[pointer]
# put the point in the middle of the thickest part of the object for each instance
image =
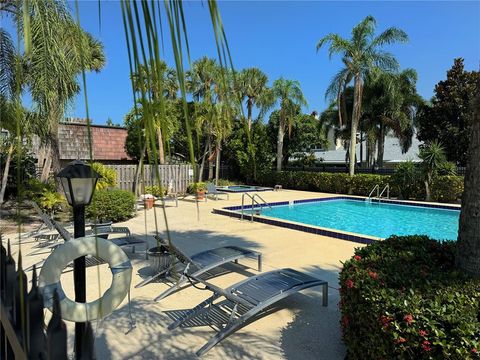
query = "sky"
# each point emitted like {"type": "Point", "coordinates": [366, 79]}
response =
{"type": "Point", "coordinates": [280, 37]}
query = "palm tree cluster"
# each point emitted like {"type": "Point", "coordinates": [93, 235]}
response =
{"type": "Point", "coordinates": [382, 98]}
{"type": "Point", "coordinates": [220, 97]}
{"type": "Point", "coordinates": [55, 52]}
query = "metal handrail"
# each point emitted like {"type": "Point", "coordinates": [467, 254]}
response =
{"type": "Point", "coordinates": [387, 187]}
{"type": "Point", "coordinates": [253, 203]}
{"type": "Point", "coordinates": [376, 187]}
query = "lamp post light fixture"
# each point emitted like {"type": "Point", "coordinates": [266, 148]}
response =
{"type": "Point", "coordinates": [78, 180]}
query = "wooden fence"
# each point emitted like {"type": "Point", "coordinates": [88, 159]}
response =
{"type": "Point", "coordinates": [180, 175]}
{"type": "Point", "coordinates": [22, 330]}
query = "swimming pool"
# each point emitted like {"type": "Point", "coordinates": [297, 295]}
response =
{"type": "Point", "coordinates": [242, 188]}
{"type": "Point", "coordinates": [355, 219]}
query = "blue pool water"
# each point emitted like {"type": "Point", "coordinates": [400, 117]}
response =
{"type": "Point", "coordinates": [379, 220]}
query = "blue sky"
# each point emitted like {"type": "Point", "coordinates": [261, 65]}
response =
{"type": "Point", "coordinates": [279, 37]}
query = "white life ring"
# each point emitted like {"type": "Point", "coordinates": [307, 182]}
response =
{"type": "Point", "coordinates": [49, 278]}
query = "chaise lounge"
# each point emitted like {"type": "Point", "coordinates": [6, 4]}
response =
{"type": "Point", "coordinates": [212, 191]}
{"type": "Point", "coordinates": [244, 300]}
{"type": "Point", "coordinates": [198, 266]}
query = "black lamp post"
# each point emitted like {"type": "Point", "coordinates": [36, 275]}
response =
{"type": "Point", "coordinates": [78, 181]}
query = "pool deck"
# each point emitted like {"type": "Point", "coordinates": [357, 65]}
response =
{"type": "Point", "coordinates": [300, 329]}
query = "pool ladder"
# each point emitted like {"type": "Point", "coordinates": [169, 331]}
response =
{"type": "Point", "coordinates": [262, 204]}
{"type": "Point", "coordinates": [379, 193]}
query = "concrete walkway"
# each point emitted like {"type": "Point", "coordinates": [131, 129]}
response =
{"type": "Point", "coordinates": [300, 329]}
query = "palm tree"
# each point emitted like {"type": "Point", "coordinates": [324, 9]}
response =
{"type": "Point", "coordinates": [202, 83]}
{"type": "Point", "coordinates": [360, 55]}
{"type": "Point", "coordinates": [252, 85]}
{"type": "Point", "coordinates": [158, 82]}
{"type": "Point", "coordinates": [468, 244]}
{"type": "Point", "coordinates": [60, 50]}
{"type": "Point", "coordinates": [288, 94]}
{"type": "Point", "coordinates": [390, 104]}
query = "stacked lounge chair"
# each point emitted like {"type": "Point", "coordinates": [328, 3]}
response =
{"type": "Point", "coordinates": [198, 266]}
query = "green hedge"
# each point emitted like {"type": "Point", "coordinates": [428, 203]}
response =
{"type": "Point", "coordinates": [111, 205]}
{"type": "Point", "coordinates": [447, 188]}
{"type": "Point", "coordinates": [402, 298]}
{"type": "Point", "coordinates": [444, 188]}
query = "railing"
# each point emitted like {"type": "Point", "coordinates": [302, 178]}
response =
{"type": "Point", "coordinates": [376, 187]}
{"type": "Point", "coordinates": [253, 203]}
{"type": "Point", "coordinates": [22, 330]}
{"type": "Point", "coordinates": [379, 193]}
{"type": "Point", "coordinates": [386, 188]}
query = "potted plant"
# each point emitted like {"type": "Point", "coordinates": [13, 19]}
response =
{"type": "Point", "coordinates": [148, 200]}
{"type": "Point", "coordinates": [198, 188]}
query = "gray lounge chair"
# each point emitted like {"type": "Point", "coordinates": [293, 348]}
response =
{"type": "Point", "coordinates": [245, 299]}
{"type": "Point", "coordinates": [200, 265]}
{"type": "Point", "coordinates": [212, 191]}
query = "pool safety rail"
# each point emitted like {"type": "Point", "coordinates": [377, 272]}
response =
{"type": "Point", "coordinates": [254, 201]}
{"type": "Point", "coordinates": [379, 193]}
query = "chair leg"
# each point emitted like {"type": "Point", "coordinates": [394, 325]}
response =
{"type": "Point", "coordinates": [325, 294]}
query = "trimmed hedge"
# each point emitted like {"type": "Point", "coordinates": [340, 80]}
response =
{"type": "Point", "coordinates": [444, 188]}
{"type": "Point", "coordinates": [403, 298]}
{"type": "Point", "coordinates": [447, 188]}
{"type": "Point", "coordinates": [111, 205]}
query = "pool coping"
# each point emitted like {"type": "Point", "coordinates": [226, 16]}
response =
{"type": "Point", "coordinates": [232, 211]}
{"type": "Point", "coordinates": [260, 189]}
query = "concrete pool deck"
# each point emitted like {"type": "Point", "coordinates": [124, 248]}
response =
{"type": "Point", "coordinates": [300, 329]}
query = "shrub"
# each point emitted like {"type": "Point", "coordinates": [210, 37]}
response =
{"type": "Point", "coordinates": [407, 181]}
{"type": "Point", "coordinates": [109, 176]}
{"type": "Point", "coordinates": [447, 188]}
{"type": "Point", "coordinates": [226, 182]}
{"type": "Point", "coordinates": [194, 187]}
{"type": "Point", "coordinates": [111, 205]}
{"type": "Point", "coordinates": [402, 298]}
{"type": "Point", "coordinates": [362, 184]}
{"type": "Point", "coordinates": [155, 190]}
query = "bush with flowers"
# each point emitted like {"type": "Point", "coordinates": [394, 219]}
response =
{"type": "Point", "coordinates": [403, 298]}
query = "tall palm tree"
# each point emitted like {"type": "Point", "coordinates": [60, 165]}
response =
{"type": "Point", "coordinates": [361, 54]}
{"type": "Point", "coordinates": [390, 105]}
{"type": "Point", "coordinates": [60, 50]}
{"type": "Point", "coordinates": [202, 84]}
{"type": "Point", "coordinates": [288, 95]}
{"type": "Point", "coordinates": [252, 86]}
{"type": "Point", "coordinates": [159, 83]}
{"type": "Point", "coordinates": [468, 244]}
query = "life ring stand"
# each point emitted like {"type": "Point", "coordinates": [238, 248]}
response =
{"type": "Point", "coordinates": [120, 265]}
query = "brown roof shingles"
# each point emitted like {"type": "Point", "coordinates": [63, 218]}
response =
{"type": "Point", "coordinates": [108, 143]}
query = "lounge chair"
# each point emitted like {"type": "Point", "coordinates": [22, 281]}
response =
{"type": "Point", "coordinates": [244, 300]}
{"type": "Point", "coordinates": [212, 191]}
{"type": "Point", "coordinates": [198, 265]}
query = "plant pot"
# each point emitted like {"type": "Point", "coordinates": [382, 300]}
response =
{"type": "Point", "coordinates": [200, 194]}
{"type": "Point", "coordinates": [160, 258]}
{"type": "Point", "coordinates": [148, 203]}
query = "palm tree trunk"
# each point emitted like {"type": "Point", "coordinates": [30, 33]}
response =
{"type": "Point", "coordinates": [210, 162]}
{"type": "Point", "coordinates": [161, 153]}
{"type": "Point", "coordinates": [46, 165]}
{"type": "Point", "coordinates": [428, 195]}
{"type": "Point", "coordinates": [217, 165]}
{"type": "Point", "coordinates": [5, 172]}
{"type": "Point", "coordinates": [468, 245]}
{"type": "Point", "coordinates": [381, 145]}
{"type": "Point", "coordinates": [249, 113]}
{"type": "Point", "coordinates": [357, 105]}
{"type": "Point", "coordinates": [281, 135]}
